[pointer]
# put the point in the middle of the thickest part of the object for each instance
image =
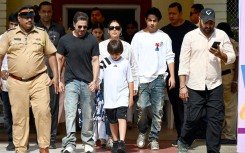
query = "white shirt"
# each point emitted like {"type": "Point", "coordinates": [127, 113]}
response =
{"type": "Point", "coordinates": [116, 75]}
{"type": "Point", "coordinates": [152, 52]}
{"type": "Point", "coordinates": [127, 54]}
{"type": "Point", "coordinates": [200, 66]}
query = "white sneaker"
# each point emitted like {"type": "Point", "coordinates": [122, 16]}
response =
{"type": "Point", "coordinates": [141, 140]}
{"type": "Point", "coordinates": [154, 145]}
{"type": "Point", "coordinates": [109, 144]}
{"type": "Point", "coordinates": [88, 148]}
{"type": "Point", "coordinates": [68, 150]}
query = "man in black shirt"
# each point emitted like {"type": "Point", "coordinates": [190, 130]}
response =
{"type": "Point", "coordinates": [176, 29]}
{"type": "Point", "coordinates": [55, 32]}
{"type": "Point", "coordinates": [80, 51]}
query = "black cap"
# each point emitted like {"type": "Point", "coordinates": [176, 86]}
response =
{"type": "Point", "coordinates": [26, 11]}
{"type": "Point", "coordinates": [207, 14]}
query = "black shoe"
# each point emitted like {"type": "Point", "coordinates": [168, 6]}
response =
{"type": "Point", "coordinates": [121, 147]}
{"type": "Point", "coordinates": [10, 147]}
{"type": "Point", "coordinates": [129, 125]}
{"type": "Point", "coordinates": [52, 146]}
{"type": "Point", "coordinates": [228, 141]}
{"type": "Point", "coordinates": [114, 147]}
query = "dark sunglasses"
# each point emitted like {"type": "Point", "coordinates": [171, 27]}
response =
{"type": "Point", "coordinates": [114, 27]}
{"type": "Point", "coordinates": [80, 27]}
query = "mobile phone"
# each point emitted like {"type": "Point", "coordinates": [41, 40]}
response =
{"type": "Point", "coordinates": [215, 44]}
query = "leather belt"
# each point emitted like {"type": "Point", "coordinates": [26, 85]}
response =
{"type": "Point", "coordinates": [25, 79]}
{"type": "Point", "coordinates": [226, 72]}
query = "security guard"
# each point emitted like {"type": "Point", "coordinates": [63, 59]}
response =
{"type": "Point", "coordinates": [28, 82]}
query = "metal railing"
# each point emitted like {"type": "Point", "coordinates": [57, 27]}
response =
{"type": "Point", "coordinates": [233, 16]}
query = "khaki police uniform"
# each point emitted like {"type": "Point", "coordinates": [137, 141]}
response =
{"type": "Point", "coordinates": [230, 99]}
{"type": "Point", "coordinates": [28, 83]}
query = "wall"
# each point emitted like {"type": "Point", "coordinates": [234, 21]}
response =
{"type": "Point", "coordinates": [9, 6]}
{"type": "Point", "coordinates": [13, 5]}
{"type": "Point", "coordinates": [3, 9]}
{"type": "Point", "coordinates": [218, 5]}
{"type": "Point", "coordinates": [163, 6]}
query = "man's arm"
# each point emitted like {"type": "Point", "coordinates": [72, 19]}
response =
{"type": "Point", "coordinates": [54, 67]}
{"type": "Point", "coordinates": [95, 64]}
{"type": "Point", "coordinates": [171, 82]}
{"type": "Point", "coordinates": [219, 54]}
{"type": "Point", "coordinates": [1, 60]}
{"type": "Point", "coordinates": [4, 68]}
{"type": "Point", "coordinates": [131, 94]}
{"type": "Point", "coordinates": [183, 91]}
{"type": "Point", "coordinates": [134, 68]}
{"type": "Point", "coordinates": [60, 60]}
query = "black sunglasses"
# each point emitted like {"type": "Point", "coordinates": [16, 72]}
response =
{"type": "Point", "coordinates": [80, 27]}
{"type": "Point", "coordinates": [114, 27]}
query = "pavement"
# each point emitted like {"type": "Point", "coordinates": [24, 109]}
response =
{"type": "Point", "coordinates": [198, 147]}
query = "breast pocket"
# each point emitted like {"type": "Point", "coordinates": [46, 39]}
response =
{"type": "Point", "coordinates": [37, 46]}
{"type": "Point", "coordinates": [16, 45]}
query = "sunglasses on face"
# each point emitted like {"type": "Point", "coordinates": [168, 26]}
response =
{"type": "Point", "coordinates": [80, 27]}
{"type": "Point", "coordinates": [114, 27]}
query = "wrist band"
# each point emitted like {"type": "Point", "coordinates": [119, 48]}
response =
{"type": "Point", "coordinates": [182, 87]}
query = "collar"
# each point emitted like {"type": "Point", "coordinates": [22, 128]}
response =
{"type": "Point", "coordinates": [212, 35]}
{"type": "Point", "coordinates": [40, 24]}
{"type": "Point", "coordinates": [18, 29]}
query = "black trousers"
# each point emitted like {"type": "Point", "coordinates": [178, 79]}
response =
{"type": "Point", "coordinates": [211, 102]}
{"type": "Point", "coordinates": [54, 107]}
{"type": "Point", "coordinates": [178, 108]}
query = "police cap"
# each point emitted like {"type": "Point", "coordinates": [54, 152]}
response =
{"type": "Point", "coordinates": [26, 11]}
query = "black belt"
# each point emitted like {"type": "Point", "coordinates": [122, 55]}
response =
{"type": "Point", "coordinates": [25, 79]}
{"type": "Point", "coordinates": [226, 72]}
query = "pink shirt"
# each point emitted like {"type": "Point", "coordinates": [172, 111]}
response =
{"type": "Point", "coordinates": [200, 66]}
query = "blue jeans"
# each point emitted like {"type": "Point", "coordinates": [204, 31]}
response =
{"type": "Point", "coordinates": [7, 115]}
{"type": "Point", "coordinates": [150, 107]}
{"type": "Point", "coordinates": [78, 91]}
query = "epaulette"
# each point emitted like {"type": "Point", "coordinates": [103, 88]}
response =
{"type": "Point", "coordinates": [40, 28]}
{"type": "Point", "coordinates": [11, 29]}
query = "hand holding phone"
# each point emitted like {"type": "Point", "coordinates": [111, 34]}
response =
{"type": "Point", "coordinates": [215, 44]}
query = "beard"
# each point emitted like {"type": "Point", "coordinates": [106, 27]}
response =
{"type": "Point", "coordinates": [206, 30]}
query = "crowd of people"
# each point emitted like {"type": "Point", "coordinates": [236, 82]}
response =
{"type": "Point", "coordinates": [109, 74]}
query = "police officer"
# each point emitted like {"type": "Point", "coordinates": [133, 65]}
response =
{"type": "Point", "coordinates": [5, 96]}
{"type": "Point", "coordinates": [55, 32]}
{"type": "Point", "coordinates": [28, 82]}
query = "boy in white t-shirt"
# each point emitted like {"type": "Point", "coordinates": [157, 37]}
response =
{"type": "Point", "coordinates": [118, 92]}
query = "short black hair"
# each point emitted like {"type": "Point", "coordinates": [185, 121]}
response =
{"type": "Point", "coordinates": [154, 11]}
{"type": "Point", "coordinates": [13, 18]}
{"type": "Point", "coordinates": [44, 3]}
{"type": "Point", "coordinates": [226, 28]}
{"type": "Point", "coordinates": [176, 4]}
{"type": "Point", "coordinates": [115, 47]}
{"type": "Point", "coordinates": [80, 16]}
{"type": "Point", "coordinates": [97, 9]}
{"type": "Point", "coordinates": [197, 7]}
